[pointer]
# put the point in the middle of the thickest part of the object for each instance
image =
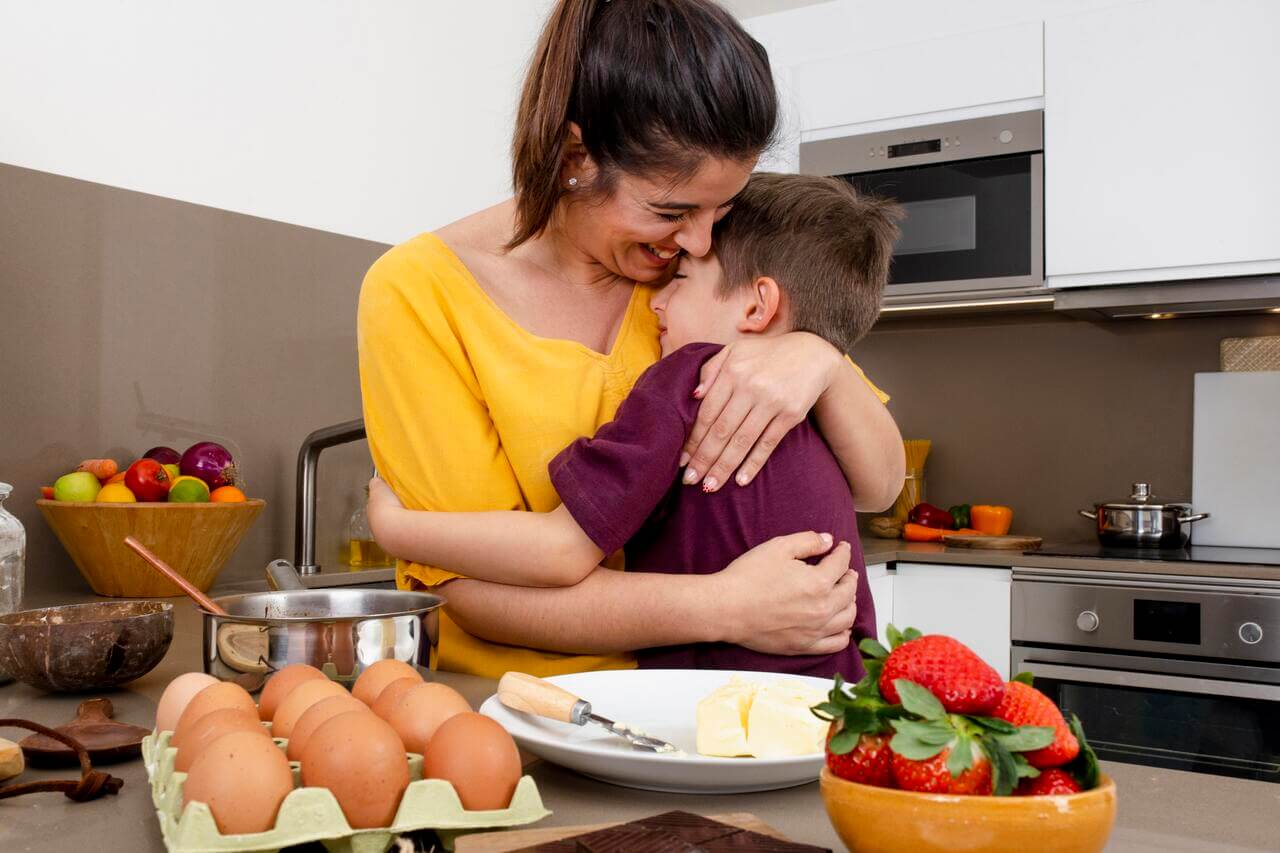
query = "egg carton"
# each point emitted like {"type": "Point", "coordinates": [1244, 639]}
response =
{"type": "Point", "coordinates": [313, 814]}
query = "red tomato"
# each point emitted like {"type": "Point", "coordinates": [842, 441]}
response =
{"type": "Point", "coordinates": [148, 480]}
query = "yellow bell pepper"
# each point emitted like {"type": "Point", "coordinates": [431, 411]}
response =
{"type": "Point", "coordinates": [991, 520]}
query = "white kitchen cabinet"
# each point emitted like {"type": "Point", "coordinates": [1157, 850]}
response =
{"type": "Point", "coordinates": [1160, 132]}
{"type": "Point", "coordinates": [970, 603]}
{"type": "Point", "coordinates": [880, 579]}
{"type": "Point", "coordinates": [962, 71]}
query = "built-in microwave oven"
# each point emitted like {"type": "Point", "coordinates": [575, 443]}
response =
{"type": "Point", "coordinates": [973, 197]}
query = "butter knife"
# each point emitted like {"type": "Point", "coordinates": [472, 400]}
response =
{"type": "Point", "coordinates": [529, 694]}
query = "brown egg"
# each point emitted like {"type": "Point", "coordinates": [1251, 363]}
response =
{"type": "Point", "coordinates": [361, 760]}
{"type": "Point", "coordinates": [391, 695]}
{"type": "Point", "coordinates": [316, 716]}
{"type": "Point", "coordinates": [177, 695]}
{"type": "Point", "coordinates": [477, 755]}
{"type": "Point", "coordinates": [299, 700]}
{"type": "Point", "coordinates": [280, 684]}
{"type": "Point", "coordinates": [224, 694]}
{"type": "Point", "coordinates": [421, 710]}
{"type": "Point", "coordinates": [243, 778]}
{"type": "Point", "coordinates": [378, 676]}
{"type": "Point", "coordinates": [209, 728]}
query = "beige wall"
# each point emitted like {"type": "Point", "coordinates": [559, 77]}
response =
{"type": "Point", "coordinates": [130, 320]}
{"type": "Point", "coordinates": [1048, 414]}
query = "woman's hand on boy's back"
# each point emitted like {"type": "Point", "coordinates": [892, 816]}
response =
{"type": "Point", "coordinates": [771, 601]}
{"type": "Point", "coordinates": [753, 392]}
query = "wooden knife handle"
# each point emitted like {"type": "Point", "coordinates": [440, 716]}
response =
{"type": "Point", "coordinates": [520, 691]}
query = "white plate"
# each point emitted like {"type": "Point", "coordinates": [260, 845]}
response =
{"type": "Point", "coordinates": [662, 703]}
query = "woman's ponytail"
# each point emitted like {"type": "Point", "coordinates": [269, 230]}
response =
{"type": "Point", "coordinates": [538, 147]}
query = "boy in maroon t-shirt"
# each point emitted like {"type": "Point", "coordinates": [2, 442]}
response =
{"type": "Point", "coordinates": [796, 253]}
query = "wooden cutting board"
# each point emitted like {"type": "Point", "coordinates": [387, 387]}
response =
{"type": "Point", "coordinates": [503, 842]}
{"type": "Point", "coordinates": [994, 543]}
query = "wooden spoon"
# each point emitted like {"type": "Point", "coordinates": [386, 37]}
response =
{"type": "Point", "coordinates": [105, 739]}
{"type": "Point", "coordinates": [168, 571]}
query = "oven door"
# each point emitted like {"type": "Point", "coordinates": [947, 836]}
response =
{"type": "Point", "coordinates": [1188, 715]}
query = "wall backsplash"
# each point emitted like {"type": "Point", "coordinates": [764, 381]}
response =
{"type": "Point", "coordinates": [133, 320]}
{"type": "Point", "coordinates": [1049, 414]}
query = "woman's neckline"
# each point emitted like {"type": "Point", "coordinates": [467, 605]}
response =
{"type": "Point", "coordinates": [615, 345]}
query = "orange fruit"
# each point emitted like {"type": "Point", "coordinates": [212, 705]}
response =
{"type": "Point", "coordinates": [118, 477]}
{"type": "Point", "coordinates": [227, 495]}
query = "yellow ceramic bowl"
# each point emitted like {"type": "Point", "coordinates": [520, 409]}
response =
{"type": "Point", "coordinates": [885, 820]}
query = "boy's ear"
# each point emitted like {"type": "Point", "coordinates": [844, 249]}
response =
{"type": "Point", "coordinates": [762, 306]}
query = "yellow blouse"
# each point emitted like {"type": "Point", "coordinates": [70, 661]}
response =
{"type": "Point", "coordinates": [464, 410]}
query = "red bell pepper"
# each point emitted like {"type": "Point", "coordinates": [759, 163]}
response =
{"type": "Point", "coordinates": [929, 515]}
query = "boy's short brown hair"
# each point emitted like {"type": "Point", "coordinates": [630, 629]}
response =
{"type": "Point", "coordinates": [827, 246]}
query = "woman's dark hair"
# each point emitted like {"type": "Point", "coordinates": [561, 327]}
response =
{"type": "Point", "coordinates": [654, 85]}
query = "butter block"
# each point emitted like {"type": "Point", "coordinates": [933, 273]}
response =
{"type": "Point", "coordinates": [772, 720]}
{"type": "Point", "coordinates": [780, 723]}
{"type": "Point", "coordinates": [722, 719]}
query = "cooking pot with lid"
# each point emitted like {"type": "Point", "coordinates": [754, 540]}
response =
{"type": "Point", "coordinates": [1143, 520]}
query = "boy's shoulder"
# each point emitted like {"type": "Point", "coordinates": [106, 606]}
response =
{"type": "Point", "coordinates": [673, 377]}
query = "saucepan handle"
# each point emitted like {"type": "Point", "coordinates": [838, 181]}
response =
{"type": "Point", "coordinates": [1187, 519]}
{"type": "Point", "coordinates": [1092, 516]}
{"type": "Point", "coordinates": [283, 576]}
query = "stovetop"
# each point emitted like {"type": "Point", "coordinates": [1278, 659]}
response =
{"type": "Point", "coordinates": [1190, 554]}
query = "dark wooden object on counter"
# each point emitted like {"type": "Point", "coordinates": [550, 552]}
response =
{"type": "Point", "coordinates": [91, 784]}
{"type": "Point", "coordinates": [992, 543]}
{"type": "Point", "coordinates": [105, 740]}
{"type": "Point", "coordinates": [79, 648]}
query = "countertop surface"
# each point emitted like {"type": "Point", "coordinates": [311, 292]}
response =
{"type": "Point", "coordinates": [1159, 810]}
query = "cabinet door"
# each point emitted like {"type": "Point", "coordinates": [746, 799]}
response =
{"type": "Point", "coordinates": [880, 579]}
{"type": "Point", "coordinates": [1160, 129]}
{"type": "Point", "coordinates": [970, 603]}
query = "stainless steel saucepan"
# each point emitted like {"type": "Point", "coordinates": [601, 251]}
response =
{"type": "Point", "coordinates": [1143, 520]}
{"type": "Point", "coordinates": [339, 631]}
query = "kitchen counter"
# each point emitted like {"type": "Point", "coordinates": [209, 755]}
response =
{"type": "Point", "coordinates": [897, 550]}
{"type": "Point", "coordinates": [1160, 810]}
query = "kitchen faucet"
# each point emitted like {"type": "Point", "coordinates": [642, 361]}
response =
{"type": "Point", "coordinates": [304, 513]}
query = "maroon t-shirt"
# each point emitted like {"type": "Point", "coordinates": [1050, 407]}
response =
{"type": "Point", "coordinates": [623, 489]}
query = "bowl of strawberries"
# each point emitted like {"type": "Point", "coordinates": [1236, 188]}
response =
{"type": "Point", "coordinates": [933, 751]}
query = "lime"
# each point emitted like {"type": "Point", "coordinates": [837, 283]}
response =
{"type": "Point", "coordinates": [115, 493]}
{"type": "Point", "coordinates": [172, 471]}
{"type": "Point", "coordinates": [189, 490]}
{"type": "Point", "coordinates": [77, 486]}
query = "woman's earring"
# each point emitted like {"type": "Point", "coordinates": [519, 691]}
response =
{"type": "Point", "coordinates": [573, 182]}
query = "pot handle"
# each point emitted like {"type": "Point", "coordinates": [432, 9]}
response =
{"type": "Point", "coordinates": [1187, 519]}
{"type": "Point", "coordinates": [1092, 516]}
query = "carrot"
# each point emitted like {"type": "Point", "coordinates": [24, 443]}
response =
{"type": "Point", "coordinates": [920, 533]}
{"type": "Point", "coordinates": [46, 492]}
{"type": "Point", "coordinates": [103, 469]}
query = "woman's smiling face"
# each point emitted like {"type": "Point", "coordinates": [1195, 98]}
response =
{"type": "Point", "coordinates": [640, 229]}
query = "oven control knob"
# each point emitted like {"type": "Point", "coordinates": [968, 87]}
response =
{"type": "Point", "coordinates": [1005, 136]}
{"type": "Point", "coordinates": [1087, 621]}
{"type": "Point", "coordinates": [1251, 633]}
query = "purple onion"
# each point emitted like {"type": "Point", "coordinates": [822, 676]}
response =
{"type": "Point", "coordinates": [210, 462]}
{"type": "Point", "coordinates": [163, 455]}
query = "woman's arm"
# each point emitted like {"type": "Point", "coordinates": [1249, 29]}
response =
{"type": "Point", "coordinates": [508, 547]}
{"type": "Point", "coordinates": [755, 390]}
{"type": "Point", "coordinates": [811, 608]}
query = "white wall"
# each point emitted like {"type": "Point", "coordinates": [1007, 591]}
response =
{"type": "Point", "coordinates": [374, 119]}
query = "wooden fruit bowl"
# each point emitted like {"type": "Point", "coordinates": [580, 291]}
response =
{"type": "Point", "coordinates": [884, 820]}
{"type": "Point", "coordinates": [194, 538]}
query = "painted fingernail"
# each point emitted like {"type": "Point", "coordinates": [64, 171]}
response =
{"type": "Point", "coordinates": [698, 392]}
{"type": "Point", "coordinates": [826, 539]}
{"type": "Point", "coordinates": [684, 460]}
{"type": "Point", "coordinates": [710, 484]}
{"type": "Point", "coordinates": [690, 476]}
{"type": "Point", "coordinates": [742, 479]}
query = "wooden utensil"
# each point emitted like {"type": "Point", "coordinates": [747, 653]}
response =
{"type": "Point", "coordinates": [168, 571]}
{"type": "Point", "coordinates": [507, 840]}
{"type": "Point", "coordinates": [993, 543]}
{"type": "Point", "coordinates": [106, 740]}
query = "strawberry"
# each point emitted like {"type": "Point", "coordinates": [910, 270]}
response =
{"type": "Point", "coordinates": [1023, 705]}
{"type": "Point", "coordinates": [1051, 782]}
{"type": "Point", "coordinates": [962, 681]}
{"type": "Point", "coordinates": [867, 763]}
{"type": "Point", "coordinates": [931, 776]}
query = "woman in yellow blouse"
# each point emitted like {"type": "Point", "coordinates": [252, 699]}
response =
{"type": "Point", "coordinates": [488, 346]}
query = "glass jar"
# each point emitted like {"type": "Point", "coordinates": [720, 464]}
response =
{"type": "Point", "coordinates": [362, 551]}
{"type": "Point", "coordinates": [13, 553]}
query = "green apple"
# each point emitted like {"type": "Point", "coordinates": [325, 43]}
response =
{"type": "Point", "coordinates": [76, 486]}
